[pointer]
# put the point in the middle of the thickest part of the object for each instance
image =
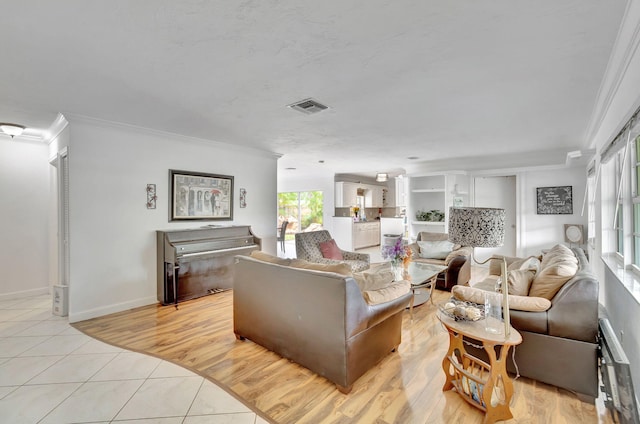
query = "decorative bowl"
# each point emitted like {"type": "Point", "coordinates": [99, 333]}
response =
{"type": "Point", "coordinates": [462, 311]}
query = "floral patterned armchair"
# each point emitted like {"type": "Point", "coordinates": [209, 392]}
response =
{"type": "Point", "coordinates": [308, 248]}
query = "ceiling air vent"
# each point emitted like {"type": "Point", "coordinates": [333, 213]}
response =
{"type": "Point", "coordinates": [308, 106]}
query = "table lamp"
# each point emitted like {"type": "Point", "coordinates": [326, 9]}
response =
{"type": "Point", "coordinates": [482, 227]}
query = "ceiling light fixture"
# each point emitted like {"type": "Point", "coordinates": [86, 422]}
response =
{"type": "Point", "coordinates": [11, 130]}
{"type": "Point", "coordinates": [382, 177]}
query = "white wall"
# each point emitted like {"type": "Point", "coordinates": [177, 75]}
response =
{"type": "Point", "coordinates": [112, 233]}
{"type": "Point", "coordinates": [24, 218]}
{"type": "Point", "coordinates": [544, 231]}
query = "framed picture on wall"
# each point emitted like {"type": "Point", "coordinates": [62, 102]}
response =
{"type": "Point", "coordinates": [554, 200]}
{"type": "Point", "coordinates": [200, 196]}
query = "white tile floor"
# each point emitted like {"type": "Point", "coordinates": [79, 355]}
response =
{"type": "Point", "coordinates": [52, 373]}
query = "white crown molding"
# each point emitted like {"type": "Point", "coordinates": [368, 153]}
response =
{"type": "Point", "coordinates": [174, 136]}
{"type": "Point", "coordinates": [614, 76]}
{"type": "Point", "coordinates": [58, 125]}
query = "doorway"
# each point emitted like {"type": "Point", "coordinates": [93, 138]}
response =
{"type": "Point", "coordinates": [304, 210]}
{"type": "Point", "coordinates": [498, 192]}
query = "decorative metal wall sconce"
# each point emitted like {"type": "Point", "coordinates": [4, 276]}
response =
{"type": "Point", "coordinates": [243, 198]}
{"type": "Point", "coordinates": [151, 196]}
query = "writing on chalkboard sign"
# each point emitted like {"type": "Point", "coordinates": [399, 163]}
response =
{"type": "Point", "coordinates": [555, 200]}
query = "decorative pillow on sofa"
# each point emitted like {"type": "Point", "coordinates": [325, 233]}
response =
{"type": "Point", "coordinates": [435, 249]}
{"type": "Point", "coordinates": [392, 291]}
{"type": "Point", "coordinates": [341, 268]}
{"type": "Point", "coordinates": [520, 281]}
{"type": "Point", "coordinates": [558, 266]}
{"type": "Point", "coordinates": [520, 303]}
{"type": "Point", "coordinates": [558, 253]}
{"type": "Point", "coordinates": [265, 257]}
{"type": "Point", "coordinates": [374, 278]}
{"type": "Point", "coordinates": [532, 262]}
{"type": "Point", "coordinates": [330, 250]}
{"type": "Point", "coordinates": [551, 278]}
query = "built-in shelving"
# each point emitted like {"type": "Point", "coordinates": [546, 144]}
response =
{"type": "Point", "coordinates": [435, 192]}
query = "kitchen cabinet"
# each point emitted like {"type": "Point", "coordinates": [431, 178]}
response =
{"type": "Point", "coordinates": [400, 193]}
{"type": "Point", "coordinates": [373, 197]}
{"type": "Point", "coordinates": [346, 194]}
{"type": "Point", "coordinates": [396, 193]}
{"type": "Point", "coordinates": [366, 234]}
{"type": "Point", "coordinates": [351, 235]}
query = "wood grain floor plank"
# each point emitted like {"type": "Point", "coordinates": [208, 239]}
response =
{"type": "Point", "coordinates": [405, 387]}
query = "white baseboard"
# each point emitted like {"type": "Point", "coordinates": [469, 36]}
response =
{"type": "Point", "coordinates": [25, 293]}
{"type": "Point", "coordinates": [110, 309]}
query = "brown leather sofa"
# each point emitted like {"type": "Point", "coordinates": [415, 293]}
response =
{"type": "Point", "coordinates": [560, 345]}
{"type": "Point", "coordinates": [317, 319]}
{"type": "Point", "coordinates": [458, 262]}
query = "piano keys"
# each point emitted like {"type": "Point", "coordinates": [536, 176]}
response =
{"type": "Point", "coordinates": [196, 262]}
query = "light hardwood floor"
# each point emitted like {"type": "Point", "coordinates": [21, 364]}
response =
{"type": "Point", "coordinates": [406, 387]}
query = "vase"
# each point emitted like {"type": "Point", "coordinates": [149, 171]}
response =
{"type": "Point", "coordinates": [398, 270]}
{"type": "Point", "coordinates": [493, 313]}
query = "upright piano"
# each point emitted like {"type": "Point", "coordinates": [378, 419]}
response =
{"type": "Point", "coordinates": [196, 262]}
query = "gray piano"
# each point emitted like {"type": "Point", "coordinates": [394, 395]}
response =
{"type": "Point", "coordinates": [199, 261]}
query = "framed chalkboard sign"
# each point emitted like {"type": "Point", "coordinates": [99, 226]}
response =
{"type": "Point", "coordinates": [555, 200]}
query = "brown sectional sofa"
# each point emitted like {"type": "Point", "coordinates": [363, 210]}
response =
{"type": "Point", "coordinates": [318, 319]}
{"type": "Point", "coordinates": [560, 332]}
{"type": "Point", "coordinates": [458, 261]}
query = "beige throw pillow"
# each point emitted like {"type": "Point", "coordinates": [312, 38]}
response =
{"type": "Point", "coordinates": [551, 278]}
{"type": "Point", "coordinates": [558, 252]}
{"type": "Point", "coordinates": [435, 249]}
{"type": "Point", "coordinates": [374, 278]}
{"type": "Point", "coordinates": [341, 268]}
{"type": "Point", "coordinates": [390, 292]}
{"type": "Point", "coordinates": [520, 303]}
{"type": "Point", "coordinates": [520, 281]}
{"type": "Point", "coordinates": [558, 258]}
{"type": "Point", "coordinates": [532, 262]}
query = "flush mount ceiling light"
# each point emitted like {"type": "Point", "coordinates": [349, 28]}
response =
{"type": "Point", "coordinates": [382, 177]}
{"type": "Point", "coordinates": [11, 130]}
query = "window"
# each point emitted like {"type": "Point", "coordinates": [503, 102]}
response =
{"type": "Point", "coordinates": [622, 159]}
{"type": "Point", "coordinates": [304, 210]}
{"type": "Point", "coordinates": [619, 220]}
{"type": "Point", "coordinates": [592, 183]}
{"type": "Point", "coordinates": [636, 201]}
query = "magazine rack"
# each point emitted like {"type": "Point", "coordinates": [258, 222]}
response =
{"type": "Point", "coordinates": [487, 386]}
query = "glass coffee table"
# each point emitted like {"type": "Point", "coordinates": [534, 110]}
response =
{"type": "Point", "coordinates": [422, 276]}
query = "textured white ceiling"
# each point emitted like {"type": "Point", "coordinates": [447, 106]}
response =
{"type": "Point", "coordinates": [446, 81]}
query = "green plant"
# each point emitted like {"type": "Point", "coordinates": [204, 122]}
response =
{"type": "Point", "coordinates": [433, 215]}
